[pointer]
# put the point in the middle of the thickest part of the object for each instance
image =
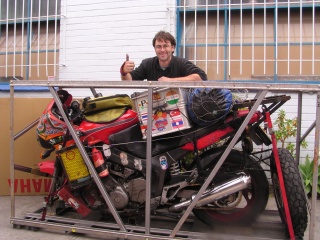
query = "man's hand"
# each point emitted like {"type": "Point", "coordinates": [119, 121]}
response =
{"type": "Point", "coordinates": [127, 66]}
{"type": "Point", "coordinates": [189, 78]}
{"type": "Point", "coordinates": [165, 79]}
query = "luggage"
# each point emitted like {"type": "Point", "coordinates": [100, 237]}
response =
{"type": "Point", "coordinates": [169, 113]}
{"type": "Point", "coordinates": [207, 106]}
{"type": "Point", "coordinates": [106, 109]}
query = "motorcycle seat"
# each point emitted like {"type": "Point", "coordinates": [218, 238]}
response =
{"type": "Point", "coordinates": [130, 139]}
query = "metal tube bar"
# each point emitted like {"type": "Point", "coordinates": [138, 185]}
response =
{"type": "Point", "coordinates": [308, 131]}
{"type": "Point", "coordinates": [12, 152]}
{"type": "Point", "coordinates": [87, 160]}
{"type": "Point", "coordinates": [102, 232]}
{"type": "Point", "coordinates": [219, 163]}
{"type": "Point", "coordinates": [315, 170]}
{"type": "Point", "coordinates": [298, 139]}
{"type": "Point", "coordinates": [279, 86]}
{"type": "Point", "coordinates": [26, 129]}
{"type": "Point", "coordinates": [149, 164]}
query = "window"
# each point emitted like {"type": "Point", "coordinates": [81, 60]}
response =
{"type": "Point", "coordinates": [243, 41]}
{"type": "Point", "coordinates": [29, 39]}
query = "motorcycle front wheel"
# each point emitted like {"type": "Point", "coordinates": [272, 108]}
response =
{"type": "Point", "coordinates": [248, 203]}
{"type": "Point", "coordinates": [297, 201]}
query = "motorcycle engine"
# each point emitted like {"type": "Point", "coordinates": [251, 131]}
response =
{"type": "Point", "coordinates": [137, 190]}
{"type": "Point", "coordinates": [118, 195]}
{"type": "Point", "coordinates": [119, 198]}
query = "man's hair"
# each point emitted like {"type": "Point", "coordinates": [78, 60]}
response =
{"type": "Point", "coordinates": [164, 36]}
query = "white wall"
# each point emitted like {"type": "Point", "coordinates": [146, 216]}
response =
{"type": "Point", "coordinates": [97, 34]}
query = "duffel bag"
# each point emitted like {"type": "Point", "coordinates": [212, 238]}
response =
{"type": "Point", "coordinates": [106, 109]}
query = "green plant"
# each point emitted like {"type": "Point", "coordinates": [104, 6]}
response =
{"type": "Point", "coordinates": [306, 170]}
{"type": "Point", "coordinates": [287, 129]}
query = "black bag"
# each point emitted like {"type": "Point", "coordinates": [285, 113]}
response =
{"type": "Point", "coordinates": [207, 106]}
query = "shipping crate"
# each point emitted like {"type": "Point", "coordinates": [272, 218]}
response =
{"type": "Point", "coordinates": [169, 113]}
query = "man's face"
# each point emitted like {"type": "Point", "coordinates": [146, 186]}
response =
{"type": "Point", "coordinates": [163, 50]}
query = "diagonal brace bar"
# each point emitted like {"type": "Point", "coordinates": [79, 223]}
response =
{"type": "Point", "coordinates": [260, 96]}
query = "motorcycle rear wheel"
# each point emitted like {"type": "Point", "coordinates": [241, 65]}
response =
{"type": "Point", "coordinates": [254, 199]}
{"type": "Point", "coordinates": [294, 190]}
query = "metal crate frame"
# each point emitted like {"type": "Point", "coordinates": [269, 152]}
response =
{"type": "Point", "coordinates": [261, 88]}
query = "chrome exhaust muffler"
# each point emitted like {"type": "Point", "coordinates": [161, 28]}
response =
{"type": "Point", "coordinates": [219, 191]}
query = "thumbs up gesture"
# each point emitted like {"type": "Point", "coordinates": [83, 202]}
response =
{"type": "Point", "coordinates": [127, 66]}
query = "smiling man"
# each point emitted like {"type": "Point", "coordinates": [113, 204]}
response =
{"type": "Point", "coordinates": [163, 67]}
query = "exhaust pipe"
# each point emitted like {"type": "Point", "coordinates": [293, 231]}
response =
{"type": "Point", "coordinates": [216, 193]}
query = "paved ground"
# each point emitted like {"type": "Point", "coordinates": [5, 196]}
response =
{"type": "Point", "coordinates": [268, 226]}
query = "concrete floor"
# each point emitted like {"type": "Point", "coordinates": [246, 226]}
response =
{"type": "Point", "coordinates": [269, 225]}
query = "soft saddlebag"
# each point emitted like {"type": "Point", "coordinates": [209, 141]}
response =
{"type": "Point", "coordinates": [106, 109]}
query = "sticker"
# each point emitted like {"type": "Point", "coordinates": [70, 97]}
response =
{"type": "Point", "coordinates": [73, 203]}
{"type": "Point", "coordinates": [172, 97]}
{"type": "Point", "coordinates": [124, 158]}
{"type": "Point", "coordinates": [70, 155]}
{"type": "Point", "coordinates": [157, 100]}
{"type": "Point", "coordinates": [175, 113]}
{"type": "Point", "coordinates": [106, 150]}
{"type": "Point", "coordinates": [144, 116]}
{"type": "Point", "coordinates": [143, 105]}
{"type": "Point", "coordinates": [177, 123]}
{"type": "Point", "coordinates": [161, 124]}
{"type": "Point", "coordinates": [163, 162]}
{"type": "Point", "coordinates": [137, 164]}
{"type": "Point", "coordinates": [159, 114]}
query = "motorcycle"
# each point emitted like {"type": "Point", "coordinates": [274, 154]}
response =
{"type": "Point", "coordinates": [181, 163]}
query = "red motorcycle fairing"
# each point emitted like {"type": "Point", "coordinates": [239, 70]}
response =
{"type": "Point", "coordinates": [93, 133]}
{"type": "Point", "coordinates": [46, 166]}
{"type": "Point", "coordinates": [51, 130]}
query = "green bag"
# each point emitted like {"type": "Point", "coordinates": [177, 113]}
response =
{"type": "Point", "coordinates": [106, 109]}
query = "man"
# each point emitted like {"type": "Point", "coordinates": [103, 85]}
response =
{"type": "Point", "coordinates": [164, 67]}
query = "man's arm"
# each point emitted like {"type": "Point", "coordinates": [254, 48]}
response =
{"type": "Point", "coordinates": [189, 78]}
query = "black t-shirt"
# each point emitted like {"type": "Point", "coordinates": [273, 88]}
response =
{"type": "Point", "coordinates": [179, 67]}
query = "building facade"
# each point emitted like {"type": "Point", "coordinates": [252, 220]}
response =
{"type": "Point", "coordinates": [232, 40]}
